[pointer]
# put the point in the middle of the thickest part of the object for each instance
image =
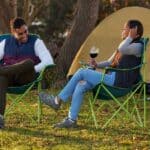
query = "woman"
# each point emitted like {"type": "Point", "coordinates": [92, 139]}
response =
{"type": "Point", "coordinates": [127, 55]}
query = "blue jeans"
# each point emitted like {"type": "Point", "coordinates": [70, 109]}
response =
{"type": "Point", "coordinates": [82, 81]}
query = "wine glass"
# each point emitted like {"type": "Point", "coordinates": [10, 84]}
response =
{"type": "Point", "coordinates": [94, 52]}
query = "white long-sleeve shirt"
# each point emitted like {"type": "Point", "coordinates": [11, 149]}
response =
{"type": "Point", "coordinates": [40, 50]}
{"type": "Point", "coordinates": [126, 48]}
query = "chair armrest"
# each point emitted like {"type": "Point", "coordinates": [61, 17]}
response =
{"type": "Point", "coordinates": [49, 66]}
{"type": "Point", "coordinates": [43, 70]}
{"type": "Point", "coordinates": [84, 64]}
{"type": "Point", "coordinates": [124, 69]}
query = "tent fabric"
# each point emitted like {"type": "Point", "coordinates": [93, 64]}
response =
{"type": "Point", "coordinates": [107, 35]}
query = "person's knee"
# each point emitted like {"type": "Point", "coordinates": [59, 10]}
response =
{"type": "Point", "coordinates": [81, 87]}
{"type": "Point", "coordinates": [27, 65]}
{"type": "Point", "coordinates": [28, 62]}
{"type": "Point", "coordinates": [3, 81]}
{"type": "Point", "coordinates": [82, 71]}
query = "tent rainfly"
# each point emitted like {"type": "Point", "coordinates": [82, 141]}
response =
{"type": "Point", "coordinates": [106, 36]}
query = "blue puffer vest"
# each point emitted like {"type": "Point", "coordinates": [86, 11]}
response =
{"type": "Point", "coordinates": [15, 52]}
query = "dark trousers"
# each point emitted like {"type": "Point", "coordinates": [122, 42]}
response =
{"type": "Point", "coordinates": [14, 75]}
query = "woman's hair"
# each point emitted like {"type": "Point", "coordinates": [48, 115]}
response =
{"type": "Point", "coordinates": [138, 24]}
{"type": "Point", "coordinates": [17, 23]}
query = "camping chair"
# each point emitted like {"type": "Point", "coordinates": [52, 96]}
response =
{"type": "Point", "coordinates": [21, 91]}
{"type": "Point", "coordinates": [105, 92]}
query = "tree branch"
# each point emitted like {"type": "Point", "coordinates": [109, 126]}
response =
{"type": "Point", "coordinates": [32, 10]}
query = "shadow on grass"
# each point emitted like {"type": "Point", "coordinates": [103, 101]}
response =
{"type": "Point", "coordinates": [77, 135]}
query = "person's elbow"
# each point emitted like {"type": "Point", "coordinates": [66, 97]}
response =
{"type": "Point", "coordinates": [48, 62]}
{"type": "Point", "coordinates": [123, 50]}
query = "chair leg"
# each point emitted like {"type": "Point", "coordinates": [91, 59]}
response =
{"type": "Point", "coordinates": [20, 99]}
{"type": "Point", "coordinates": [135, 108]}
{"type": "Point", "coordinates": [39, 110]}
{"type": "Point", "coordinates": [145, 109]}
{"type": "Point", "coordinates": [121, 107]}
{"type": "Point", "coordinates": [39, 103]}
{"type": "Point", "coordinates": [93, 114]}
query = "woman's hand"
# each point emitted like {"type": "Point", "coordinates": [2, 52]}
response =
{"type": "Point", "coordinates": [93, 63]}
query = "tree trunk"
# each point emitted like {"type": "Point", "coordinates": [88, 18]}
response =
{"type": "Point", "coordinates": [84, 22]}
{"type": "Point", "coordinates": [126, 3]}
{"type": "Point", "coordinates": [13, 8]}
{"type": "Point", "coordinates": [8, 10]}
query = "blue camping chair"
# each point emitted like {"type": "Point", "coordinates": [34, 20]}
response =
{"type": "Point", "coordinates": [106, 93]}
{"type": "Point", "coordinates": [21, 91]}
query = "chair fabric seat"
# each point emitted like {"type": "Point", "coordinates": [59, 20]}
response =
{"type": "Point", "coordinates": [23, 88]}
{"type": "Point", "coordinates": [115, 91]}
{"type": "Point", "coordinates": [4, 36]}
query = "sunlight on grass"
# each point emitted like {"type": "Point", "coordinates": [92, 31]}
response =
{"type": "Point", "coordinates": [21, 134]}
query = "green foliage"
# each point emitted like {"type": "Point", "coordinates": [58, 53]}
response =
{"type": "Point", "coordinates": [21, 134]}
{"type": "Point", "coordinates": [57, 17]}
{"type": "Point", "coordinates": [109, 6]}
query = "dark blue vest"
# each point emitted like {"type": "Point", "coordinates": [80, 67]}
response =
{"type": "Point", "coordinates": [15, 52]}
{"type": "Point", "coordinates": [128, 78]}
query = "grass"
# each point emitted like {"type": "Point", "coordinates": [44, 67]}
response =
{"type": "Point", "coordinates": [22, 134]}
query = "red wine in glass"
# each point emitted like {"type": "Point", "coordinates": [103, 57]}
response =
{"type": "Point", "coordinates": [94, 52]}
{"type": "Point", "coordinates": [93, 55]}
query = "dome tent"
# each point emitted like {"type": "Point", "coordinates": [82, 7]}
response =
{"type": "Point", "coordinates": [106, 36]}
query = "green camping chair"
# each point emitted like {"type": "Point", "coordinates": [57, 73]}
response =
{"type": "Point", "coordinates": [105, 92]}
{"type": "Point", "coordinates": [17, 93]}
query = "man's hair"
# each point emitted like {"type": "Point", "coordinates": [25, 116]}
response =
{"type": "Point", "coordinates": [138, 24]}
{"type": "Point", "coordinates": [17, 23]}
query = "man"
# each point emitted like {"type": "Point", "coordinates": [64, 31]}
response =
{"type": "Point", "coordinates": [22, 56]}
